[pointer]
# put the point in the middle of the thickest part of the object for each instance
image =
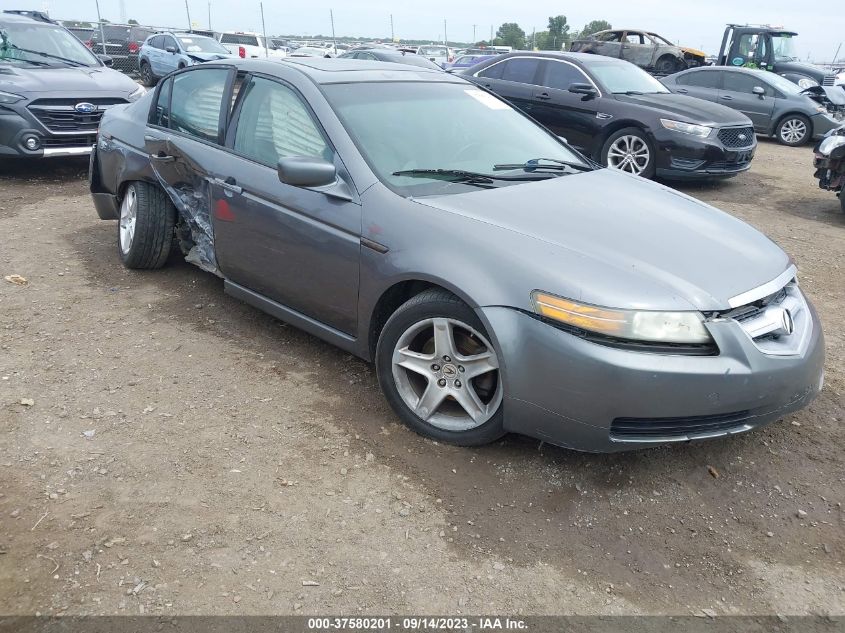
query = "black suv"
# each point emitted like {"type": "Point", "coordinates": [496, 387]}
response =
{"type": "Point", "coordinates": [620, 116]}
{"type": "Point", "coordinates": [53, 90]}
{"type": "Point", "coordinates": [122, 44]}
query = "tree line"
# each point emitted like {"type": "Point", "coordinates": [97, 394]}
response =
{"type": "Point", "coordinates": [557, 36]}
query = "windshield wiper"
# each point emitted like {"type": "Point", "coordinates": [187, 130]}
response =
{"type": "Point", "coordinates": [47, 55]}
{"type": "Point", "coordinates": [629, 92]}
{"type": "Point", "coordinates": [535, 164]}
{"type": "Point", "coordinates": [461, 176]}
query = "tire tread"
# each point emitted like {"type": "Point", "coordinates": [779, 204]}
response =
{"type": "Point", "coordinates": [154, 222]}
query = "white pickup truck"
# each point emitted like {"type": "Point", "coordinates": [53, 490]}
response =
{"type": "Point", "coordinates": [250, 45]}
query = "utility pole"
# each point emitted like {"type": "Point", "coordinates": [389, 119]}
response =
{"type": "Point", "coordinates": [188, 11]}
{"type": "Point", "coordinates": [102, 33]}
{"type": "Point", "coordinates": [491, 35]}
{"type": "Point", "coordinates": [334, 40]}
{"type": "Point", "coordinates": [263, 30]}
{"type": "Point", "coordinates": [473, 34]}
{"type": "Point", "coordinates": [392, 35]}
{"type": "Point", "coordinates": [209, 16]}
{"type": "Point", "coordinates": [445, 36]}
{"type": "Point", "coordinates": [534, 39]}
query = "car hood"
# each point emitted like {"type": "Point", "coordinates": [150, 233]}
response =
{"type": "Point", "coordinates": [688, 109]}
{"type": "Point", "coordinates": [58, 81]}
{"type": "Point", "coordinates": [811, 70]}
{"type": "Point", "coordinates": [693, 51]}
{"type": "Point", "coordinates": [616, 240]}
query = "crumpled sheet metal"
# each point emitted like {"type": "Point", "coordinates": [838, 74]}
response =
{"type": "Point", "coordinates": [193, 202]}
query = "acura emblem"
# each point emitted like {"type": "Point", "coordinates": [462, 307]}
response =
{"type": "Point", "coordinates": [85, 107]}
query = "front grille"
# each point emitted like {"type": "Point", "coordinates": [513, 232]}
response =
{"type": "Point", "coordinates": [688, 427]}
{"type": "Point", "coordinates": [735, 137]}
{"type": "Point", "coordinates": [59, 115]}
{"type": "Point", "coordinates": [728, 165]}
{"type": "Point", "coordinates": [829, 80]}
{"type": "Point", "coordinates": [81, 140]}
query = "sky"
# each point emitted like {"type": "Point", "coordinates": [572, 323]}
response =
{"type": "Point", "coordinates": [698, 25]}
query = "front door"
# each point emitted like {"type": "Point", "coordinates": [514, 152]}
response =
{"type": "Point", "coordinates": [300, 247]}
{"type": "Point", "coordinates": [737, 91]}
{"type": "Point", "coordinates": [570, 115]}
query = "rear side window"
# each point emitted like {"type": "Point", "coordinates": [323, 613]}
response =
{"type": "Point", "coordinates": [560, 76]}
{"type": "Point", "coordinates": [161, 113]}
{"type": "Point", "coordinates": [521, 70]}
{"type": "Point", "coordinates": [240, 39]}
{"type": "Point", "coordinates": [196, 103]}
{"type": "Point", "coordinates": [274, 123]}
{"type": "Point", "coordinates": [702, 79]}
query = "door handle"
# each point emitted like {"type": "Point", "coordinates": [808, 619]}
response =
{"type": "Point", "coordinates": [726, 98]}
{"type": "Point", "coordinates": [543, 96]}
{"type": "Point", "coordinates": [682, 91]}
{"type": "Point", "coordinates": [229, 184]}
{"type": "Point", "coordinates": [162, 158]}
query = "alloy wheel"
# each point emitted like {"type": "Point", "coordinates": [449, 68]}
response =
{"type": "Point", "coordinates": [128, 215]}
{"type": "Point", "coordinates": [630, 154]}
{"type": "Point", "coordinates": [793, 131]}
{"type": "Point", "coordinates": [447, 373]}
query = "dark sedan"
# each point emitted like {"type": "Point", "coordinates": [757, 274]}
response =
{"type": "Point", "coordinates": [391, 55]}
{"type": "Point", "coordinates": [497, 280]}
{"type": "Point", "coordinates": [621, 116]}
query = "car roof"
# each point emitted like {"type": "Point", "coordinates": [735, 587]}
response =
{"type": "Point", "coordinates": [323, 71]}
{"type": "Point", "coordinates": [17, 17]}
{"type": "Point", "coordinates": [581, 58]}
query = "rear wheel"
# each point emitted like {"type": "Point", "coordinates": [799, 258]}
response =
{"type": "Point", "coordinates": [145, 228]}
{"type": "Point", "coordinates": [629, 150]}
{"type": "Point", "coordinates": [439, 371]}
{"type": "Point", "coordinates": [794, 130]}
{"type": "Point", "coordinates": [147, 77]}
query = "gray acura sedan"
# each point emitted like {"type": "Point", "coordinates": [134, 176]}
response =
{"type": "Point", "coordinates": [498, 280]}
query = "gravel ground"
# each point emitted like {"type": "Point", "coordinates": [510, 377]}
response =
{"type": "Point", "coordinates": [167, 449]}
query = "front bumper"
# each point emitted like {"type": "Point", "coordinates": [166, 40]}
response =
{"type": "Point", "coordinates": [18, 124]}
{"type": "Point", "coordinates": [688, 158]}
{"type": "Point", "coordinates": [823, 123]}
{"type": "Point", "coordinates": [574, 393]}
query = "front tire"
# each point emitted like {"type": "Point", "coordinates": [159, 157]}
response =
{"type": "Point", "coordinates": [145, 227]}
{"type": "Point", "coordinates": [147, 77]}
{"type": "Point", "coordinates": [794, 130]}
{"type": "Point", "coordinates": [667, 65]}
{"type": "Point", "coordinates": [629, 150]}
{"type": "Point", "coordinates": [440, 372]}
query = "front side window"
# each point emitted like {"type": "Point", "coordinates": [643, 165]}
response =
{"type": "Point", "coordinates": [559, 76]}
{"type": "Point", "coordinates": [169, 42]}
{"type": "Point", "coordinates": [274, 124]}
{"type": "Point", "coordinates": [740, 82]}
{"type": "Point", "coordinates": [622, 77]}
{"type": "Point", "coordinates": [196, 103]}
{"type": "Point", "coordinates": [160, 115]}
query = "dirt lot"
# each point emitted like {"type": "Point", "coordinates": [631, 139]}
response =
{"type": "Point", "coordinates": [184, 453]}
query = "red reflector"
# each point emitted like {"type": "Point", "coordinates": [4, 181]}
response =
{"type": "Point", "coordinates": [241, 52]}
{"type": "Point", "coordinates": [133, 47]}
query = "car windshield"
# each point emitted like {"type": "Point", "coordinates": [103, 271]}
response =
{"type": "Point", "coordinates": [199, 44]}
{"type": "Point", "coordinates": [412, 59]}
{"type": "Point", "coordinates": [623, 78]}
{"type": "Point", "coordinates": [433, 50]}
{"type": "Point", "coordinates": [439, 126]}
{"type": "Point", "coordinates": [783, 45]}
{"type": "Point", "coordinates": [44, 45]}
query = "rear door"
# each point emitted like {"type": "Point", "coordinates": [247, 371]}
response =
{"type": "Point", "coordinates": [514, 80]}
{"type": "Point", "coordinates": [566, 114]}
{"type": "Point", "coordinates": [703, 84]}
{"type": "Point", "coordinates": [297, 246]}
{"type": "Point", "coordinates": [737, 91]}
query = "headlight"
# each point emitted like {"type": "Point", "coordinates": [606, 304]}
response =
{"type": "Point", "coordinates": [701, 131]}
{"type": "Point", "coordinates": [655, 327]}
{"type": "Point", "coordinates": [137, 93]}
{"type": "Point", "coordinates": [831, 143]}
{"type": "Point", "coordinates": [9, 97]}
{"type": "Point", "coordinates": [806, 82]}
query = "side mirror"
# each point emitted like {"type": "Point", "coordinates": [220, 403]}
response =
{"type": "Point", "coordinates": [170, 49]}
{"type": "Point", "coordinates": [758, 90]}
{"type": "Point", "coordinates": [583, 89]}
{"type": "Point", "coordinates": [306, 171]}
{"type": "Point", "coordinates": [106, 59]}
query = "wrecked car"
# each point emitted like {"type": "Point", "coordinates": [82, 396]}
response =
{"type": "Point", "coordinates": [647, 50]}
{"type": "Point", "coordinates": [499, 281]}
{"type": "Point", "coordinates": [829, 162]}
{"type": "Point", "coordinates": [775, 105]}
{"type": "Point", "coordinates": [163, 53]}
